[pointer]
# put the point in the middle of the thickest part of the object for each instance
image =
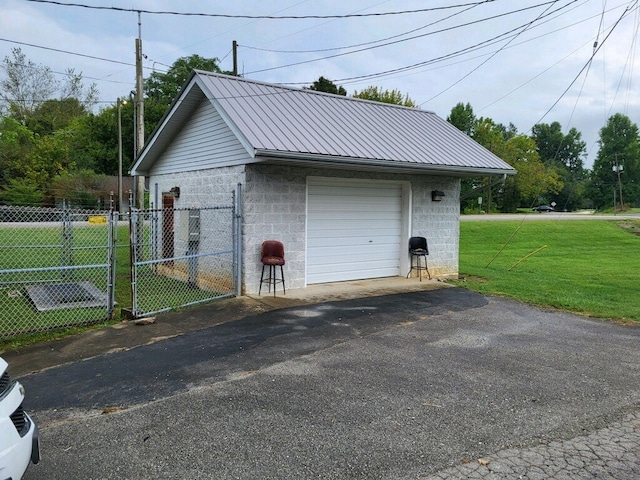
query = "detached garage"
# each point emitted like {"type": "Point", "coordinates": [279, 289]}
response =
{"type": "Point", "coordinates": [342, 182]}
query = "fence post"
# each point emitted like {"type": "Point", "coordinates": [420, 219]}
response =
{"type": "Point", "coordinates": [193, 243]}
{"type": "Point", "coordinates": [67, 243]}
{"type": "Point", "coordinates": [238, 246]}
{"type": "Point", "coordinates": [112, 226]}
{"type": "Point", "coordinates": [133, 259]}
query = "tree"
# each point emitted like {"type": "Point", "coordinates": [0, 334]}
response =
{"type": "Point", "coordinates": [327, 86]}
{"type": "Point", "coordinates": [394, 97]}
{"type": "Point", "coordinates": [619, 148]}
{"type": "Point", "coordinates": [83, 188]}
{"type": "Point", "coordinates": [27, 86]}
{"type": "Point", "coordinates": [48, 157]}
{"type": "Point", "coordinates": [21, 191]}
{"type": "Point", "coordinates": [534, 182]}
{"type": "Point", "coordinates": [164, 87]}
{"type": "Point", "coordinates": [463, 118]}
{"type": "Point", "coordinates": [564, 153]}
{"type": "Point", "coordinates": [489, 134]}
{"type": "Point", "coordinates": [16, 142]}
{"type": "Point", "coordinates": [53, 115]}
{"type": "Point", "coordinates": [508, 132]}
{"type": "Point", "coordinates": [557, 149]}
{"type": "Point", "coordinates": [73, 88]}
{"type": "Point", "coordinates": [94, 143]}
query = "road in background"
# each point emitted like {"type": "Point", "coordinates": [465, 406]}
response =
{"type": "Point", "coordinates": [549, 216]}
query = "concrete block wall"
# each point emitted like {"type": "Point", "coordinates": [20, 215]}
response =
{"type": "Point", "coordinates": [274, 199]}
{"type": "Point", "coordinates": [438, 222]}
{"type": "Point", "coordinates": [274, 208]}
{"type": "Point", "coordinates": [198, 188]}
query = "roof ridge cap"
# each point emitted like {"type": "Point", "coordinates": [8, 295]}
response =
{"type": "Point", "coordinates": [306, 90]}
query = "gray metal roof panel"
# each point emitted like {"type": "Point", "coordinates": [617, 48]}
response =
{"type": "Point", "coordinates": [292, 120]}
{"type": "Point", "coordinates": [274, 119]}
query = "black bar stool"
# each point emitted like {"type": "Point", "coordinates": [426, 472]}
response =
{"type": "Point", "coordinates": [418, 249]}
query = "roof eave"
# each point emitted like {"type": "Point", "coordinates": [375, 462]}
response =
{"type": "Point", "coordinates": [315, 160]}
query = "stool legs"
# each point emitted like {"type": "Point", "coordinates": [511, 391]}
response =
{"type": "Point", "coordinates": [284, 290]}
{"type": "Point", "coordinates": [272, 279]}
{"type": "Point", "coordinates": [418, 266]}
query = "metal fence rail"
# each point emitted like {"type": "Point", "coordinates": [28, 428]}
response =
{"type": "Point", "coordinates": [56, 268]}
{"type": "Point", "coordinates": [181, 257]}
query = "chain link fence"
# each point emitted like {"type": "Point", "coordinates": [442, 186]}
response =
{"type": "Point", "coordinates": [58, 265]}
{"type": "Point", "coordinates": [56, 268]}
{"type": "Point", "coordinates": [182, 257]}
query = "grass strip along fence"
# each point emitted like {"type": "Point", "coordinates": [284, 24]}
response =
{"type": "Point", "coordinates": [590, 267]}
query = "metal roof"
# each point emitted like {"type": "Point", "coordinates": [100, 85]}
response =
{"type": "Point", "coordinates": [277, 123]}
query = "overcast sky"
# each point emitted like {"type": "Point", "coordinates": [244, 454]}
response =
{"type": "Point", "coordinates": [515, 61]}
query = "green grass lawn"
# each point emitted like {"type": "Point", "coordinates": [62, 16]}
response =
{"type": "Point", "coordinates": [591, 266]}
{"type": "Point", "coordinates": [40, 246]}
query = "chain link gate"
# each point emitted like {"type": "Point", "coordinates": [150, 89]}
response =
{"type": "Point", "coordinates": [182, 257]}
{"type": "Point", "coordinates": [56, 268]}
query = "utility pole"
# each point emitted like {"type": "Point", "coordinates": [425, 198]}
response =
{"type": "Point", "coordinates": [120, 102]}
{"type": "Point", "coordinates": [235, 58]}
{"type": "Point", "coordinates": [618, 169]}
{"type": "Point", "coordinates": [139, 114]}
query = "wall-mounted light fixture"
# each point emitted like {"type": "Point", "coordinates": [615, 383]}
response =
{"type": "Point", "coordinates": [175, 191]}
{"type": "Point", "coordinates": [437, 195]}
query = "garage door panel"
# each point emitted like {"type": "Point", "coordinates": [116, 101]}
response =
{"type": "Point", "coordinates": [380, 252]}
{"type": "Point", "coordinates": [353, 230]}
{"type": "Point", "coordinates": [328, 244]}
{"type": "Point", "coordinates": [351, 189]}
{"type": "Point", "coordinates": [370, 213]}
{"type": "Point", "coordinates": [361, 264]}
{"type": "Point", "coordinates": [366, 221]}
{"type": "Point", "coordinates": [343, 276]}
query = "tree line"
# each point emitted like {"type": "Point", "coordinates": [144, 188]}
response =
{"type": "Point", "coordinates": [54, 146]}
{"type": "Point", "coordinates": [550, 165]}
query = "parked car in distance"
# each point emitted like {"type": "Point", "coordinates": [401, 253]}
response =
{"type": "Point", "coordinates": [543, 208]}
{"type": "Point", "coordinates": [19, 439]}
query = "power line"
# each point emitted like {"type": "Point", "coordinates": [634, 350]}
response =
{"type": "Point", "coordinates": [503, 47]}
{"type": "Point", "coordinates": [588, 63]}
{"type": "Point", "coordinates": [367, 43]}
{"type": "Point", "coordinates": [257, 17]}
{"type": "Point", "coordinates": [600, 15]}
{"type": "Point", "coordinates": [409, 38]}
{"type": "Point", "coordinates": [67, 52]}
{"type": "Point", "coordinates": [448, 56]}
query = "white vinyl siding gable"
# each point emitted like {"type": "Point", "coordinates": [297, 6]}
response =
{"type": "Point", "coordinates": [204, 142]}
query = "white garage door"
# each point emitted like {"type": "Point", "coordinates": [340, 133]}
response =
{"type": "Point", "coordinates": [354, 230]}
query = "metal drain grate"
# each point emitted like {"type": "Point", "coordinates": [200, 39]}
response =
{"type": "Point", "coordinates": [66, 295]}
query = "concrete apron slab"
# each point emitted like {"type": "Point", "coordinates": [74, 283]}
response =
{"type": "Point", "coordinates": [328, 292]}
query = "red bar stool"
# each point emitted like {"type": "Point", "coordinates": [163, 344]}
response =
{"type": "Point", "coordinates": [272, 255]}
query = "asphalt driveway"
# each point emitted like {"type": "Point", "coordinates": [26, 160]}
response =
{"type": "Point", "coordinates": [399, 386]}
